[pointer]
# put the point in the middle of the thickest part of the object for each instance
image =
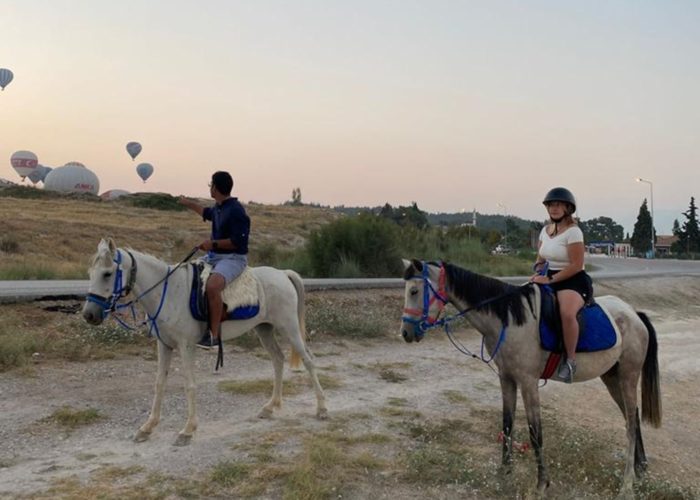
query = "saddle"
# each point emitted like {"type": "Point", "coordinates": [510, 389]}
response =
{"type": "Point", "coordinates": [241, 300]}
{"type": "Point", "coordinates": [597, 331]}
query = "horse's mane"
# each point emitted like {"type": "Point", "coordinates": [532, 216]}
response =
{"type": "Point", "coordinates": [474, 288]}
{"type": "Point", "coordinates": [146, 256]}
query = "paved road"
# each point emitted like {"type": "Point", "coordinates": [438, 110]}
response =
{"type": "Point", "coordinates": [603, 268]}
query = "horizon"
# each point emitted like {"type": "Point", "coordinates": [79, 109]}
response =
{"type": "Point", "coordinates": [455, 106]}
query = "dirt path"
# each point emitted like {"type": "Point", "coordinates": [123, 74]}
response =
{"type": "Point", "coordinates": [35, 453]}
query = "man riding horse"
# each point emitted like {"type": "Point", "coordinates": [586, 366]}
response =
{"type": "Point", "coordinates": [227, 249]}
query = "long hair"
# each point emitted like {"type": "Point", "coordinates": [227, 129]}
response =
{"type": "Point", "coordinates": [568, 218]}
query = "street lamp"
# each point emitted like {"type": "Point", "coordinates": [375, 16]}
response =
{"type": "Point", "coordinates": [651, 198]}
{"type": "Point", "coordinates": [505, 220]}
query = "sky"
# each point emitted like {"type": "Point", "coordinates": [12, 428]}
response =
{"type": "Point", "coordinates": [456, 105]}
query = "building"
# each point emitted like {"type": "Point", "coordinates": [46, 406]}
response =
{"type": "Point", "coordinates": [663, 244]}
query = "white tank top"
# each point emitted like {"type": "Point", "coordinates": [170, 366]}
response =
{"type": "Point", "coordinates": [555, 248]}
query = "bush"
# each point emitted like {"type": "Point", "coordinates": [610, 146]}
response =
{"type": "Point", "coordinates": [27, 192]}
{"type": "Point", "coordinates": [269, 253]}
{"type": "Point", "coordinates": [9, 245]}
{"type": "Point", "coordinates": [366, 242]}
{"type": "Point", "coordinates": [459, 247]}
{"type": "Point", "coordinates": [157, 201]}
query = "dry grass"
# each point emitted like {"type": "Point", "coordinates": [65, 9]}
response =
{"type": "Point", "coordinates": [30, 335]}
{"type": "Point", "coordinates": [58, 240]}
{"type": "Point", "coordinates": [407, 452]}
{"type": "Point", "coordinates": [291, 387]}
{"type": "Point", "coordinates": [68, 418]}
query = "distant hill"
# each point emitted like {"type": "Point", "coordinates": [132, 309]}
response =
{"type": "Point", "coordinates": [42, 229]}
{"type": "Point", "coordinates": [483, 221]}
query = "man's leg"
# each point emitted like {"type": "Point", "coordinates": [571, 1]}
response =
{"type": "Point", "coordinates": [215, 285]}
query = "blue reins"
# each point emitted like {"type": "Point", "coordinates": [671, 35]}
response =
{"type": "Point", "coordinates": [112, 305]}
{"type": "Point", "coordinates": [422, 325]}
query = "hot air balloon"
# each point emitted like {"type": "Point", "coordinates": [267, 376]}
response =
{"type": "Point", "coordinates": [133, 148]}
{"type": "Point", "coordinates": [24, 163]}
{"type": "Point", "coordinates": [44, 172]}
{"type": "Point", "coordinates": [73, 177]}
{"type": "Point", "coordinates": [6, 77]}
{"type": "Point", "coordinates": [35, 175]}
{"type": "Point", "coordinates": [145, 170]}
{"type": "Point", "coordinates": [113, 194]}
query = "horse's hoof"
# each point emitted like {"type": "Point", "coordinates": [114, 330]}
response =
{"type": "Point", "coordinates": [182, 440]}
{"type": "Point", "coordinates": [265, 413]}
{"type": "Point", "coordinates": [322, 414]}
{"type": "Point", "coordinates": [542, 486]}
{"type": "Point", "coordinates": [640, 470]}
{"type": "Point", "coordinates": [626, 494]}
{"type": "Point", "coordinates": [141, 436]}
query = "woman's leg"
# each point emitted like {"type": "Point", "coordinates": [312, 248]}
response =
{"type": "Point", "coordinates": [570, 303]}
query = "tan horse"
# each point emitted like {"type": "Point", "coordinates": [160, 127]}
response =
{"type": "Point", "coordinates": [281, 296]}
{"type": "Point", "coordinates": [521, 360]}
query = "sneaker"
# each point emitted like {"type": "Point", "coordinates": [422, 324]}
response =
{"type": "Point", "coordinates": [567, 370]}
{"type": "Point", "coordinates": [205, 342]}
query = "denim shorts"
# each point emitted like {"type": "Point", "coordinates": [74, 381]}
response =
{"type": "Point", "coordinates": [228, 265]}
{"type": "Point", "coordinates": [579, 282]}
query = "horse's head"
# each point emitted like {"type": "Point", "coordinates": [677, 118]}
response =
{"type": "Point", "coordinates": [425, 297]}
{"type": "Point", "coordinates": [106, 282]}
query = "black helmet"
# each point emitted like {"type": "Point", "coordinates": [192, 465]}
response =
{"type": "Point", "coordinates": [560, 194]}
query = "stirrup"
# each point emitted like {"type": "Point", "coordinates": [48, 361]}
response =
{"type": "Point", "coordinates": [567, 370]}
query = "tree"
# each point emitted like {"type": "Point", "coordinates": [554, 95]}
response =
{"type": "Point", "coordinates": [296, 197]}
{"type": "Point", "coordinates": [602, 229]}
{"type": "Point", "coordinates": [405, 216]}
{"type": "Point", "coordinates": [688, 235]}
{"type": "Point", "coordinates": [641, 235]}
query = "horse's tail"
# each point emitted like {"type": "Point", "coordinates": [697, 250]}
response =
{"type": "Point", "coordinates": [295, 359]}
{"type": "Point", "coordinates": [651, 392]}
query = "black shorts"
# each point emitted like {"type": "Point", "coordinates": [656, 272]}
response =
{"type": "Point", "coordinates": [579, 282]}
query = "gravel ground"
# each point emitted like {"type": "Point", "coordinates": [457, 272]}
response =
{"type": "Point", "coordinates": [34, 453]}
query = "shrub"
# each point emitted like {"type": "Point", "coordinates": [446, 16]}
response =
{"type": "Point", "coordinates": [157, 201]}
{"type": "Point", "coordinates": [366, 241]}
{"type": "Point", "coordinates": [9, 245]}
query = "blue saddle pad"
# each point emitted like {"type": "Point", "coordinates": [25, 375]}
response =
{"type": "Point", "coordinates": [597, 333]}
{"type": "Point", "coordinates": [199, 305]}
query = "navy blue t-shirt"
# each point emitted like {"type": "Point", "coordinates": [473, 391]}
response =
{"type": "Point", "coordinates": [229, 221]}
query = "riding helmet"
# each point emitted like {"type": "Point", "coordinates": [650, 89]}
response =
{"type": "Point", "coordinates": [560, 194]}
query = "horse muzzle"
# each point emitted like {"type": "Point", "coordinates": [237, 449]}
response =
{"type": "Point", "coordinates": [411, 333]}
{"type": "Point", "coordinates": [93, 314]}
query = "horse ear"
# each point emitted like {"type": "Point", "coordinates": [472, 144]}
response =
{"type": "Point", "coordinates": [406, 264]}
{"type": "Point", "coordinates": [112, 246]}
{"type": "Point", "coordinates": [417, 264]}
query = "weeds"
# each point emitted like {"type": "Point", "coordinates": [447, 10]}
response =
{"type": "Point", "coordinates": [230, 474]}
{"type": "Point", "coordinates": [9, 245]}
{"type": "Point", "coordinates": [70, 418]}
{"type": "Point", "coordinates": [295, 385]}
{"type": "Point", "coordinates": [353, 315]}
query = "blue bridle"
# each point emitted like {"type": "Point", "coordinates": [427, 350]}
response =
{"type": "Point", "coordinates": [430, 295]}
{"type": "Point", "coordinates": [111, 305]}
{"type": "Point", "coordinates": [426, 322]}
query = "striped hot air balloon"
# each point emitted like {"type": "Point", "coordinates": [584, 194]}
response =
{"type": "Point", "coordinates": [24, 163]}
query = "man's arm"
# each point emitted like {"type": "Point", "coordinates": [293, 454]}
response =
{"type": "Point", "coordinates": [192, 205]}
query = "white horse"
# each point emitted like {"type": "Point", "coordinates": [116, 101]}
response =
{"type": "Point", "coordinates": [495, 307]}
{"type": "Point", "coordinates": [164, 294]}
